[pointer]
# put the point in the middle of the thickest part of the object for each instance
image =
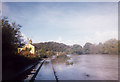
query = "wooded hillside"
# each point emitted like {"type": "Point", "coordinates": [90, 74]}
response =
{"type": "Point", "coordinates": [51, 48]}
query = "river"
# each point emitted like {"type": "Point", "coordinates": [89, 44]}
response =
{"type": "Point", "coordinates": [81, 67]}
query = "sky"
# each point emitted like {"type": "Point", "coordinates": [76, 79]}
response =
{"type": "Point", "coordinates": [65, 22]}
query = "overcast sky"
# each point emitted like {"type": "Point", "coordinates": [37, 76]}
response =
{"type": "Point", "coordinates": [69, 23]}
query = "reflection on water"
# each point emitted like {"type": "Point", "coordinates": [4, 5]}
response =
{"type": "Point", "coordinates": [69, 61]}
{"type": "Point", "coordinates": [61, 59]}
{"type": "Point", "coordinates": [86, 67]}
{"type": "Point", "coordinates": [66, 59]}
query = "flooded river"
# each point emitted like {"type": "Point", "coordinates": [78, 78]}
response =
{"type": "Point", "coordinates": [81, 67]}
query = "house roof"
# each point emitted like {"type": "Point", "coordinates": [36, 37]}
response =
{"type": "Point", "coordinates": [28, 45]}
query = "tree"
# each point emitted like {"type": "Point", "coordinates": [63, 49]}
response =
{"type": "Point", "coordinates": [76, 49]}
{"type": "Point", "coordinates": [119, 47]}
{"type": "Point", "coordinates": [93, 49]}
{"type": "Point", "coordinates": [87, 47]}
{"type": "Point", "coordinates": [10, 36]}
{"type": "Point", "coordinates": [111, 46]}
{"type": "Point", "coordinates": [100, 48]}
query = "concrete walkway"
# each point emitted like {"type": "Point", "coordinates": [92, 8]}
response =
{"type": "Point", "coordinates": [46, 72]}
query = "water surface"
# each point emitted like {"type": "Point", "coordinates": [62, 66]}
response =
{"type": "Point", "coordinates": [85, 67]}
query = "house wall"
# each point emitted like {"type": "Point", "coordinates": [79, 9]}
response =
{"type": "Point", "coordinates": [28, 46]}
{"type": "Point", "coordinates": [19, 50]}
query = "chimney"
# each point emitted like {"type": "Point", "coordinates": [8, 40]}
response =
{"type": "Point", "coordinates": [30, 41]}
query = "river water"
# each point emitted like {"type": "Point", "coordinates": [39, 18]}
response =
{"type": "Point", "coordinates": [82, 67]}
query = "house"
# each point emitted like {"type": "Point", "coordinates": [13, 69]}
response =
{"type": "Point", "coordinates": [27, 47]}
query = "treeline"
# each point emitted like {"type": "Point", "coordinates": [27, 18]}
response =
{"type": "Point", "coordinates": [52, 48]}
{"type": "Point", "coordinates": [109, 47]}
